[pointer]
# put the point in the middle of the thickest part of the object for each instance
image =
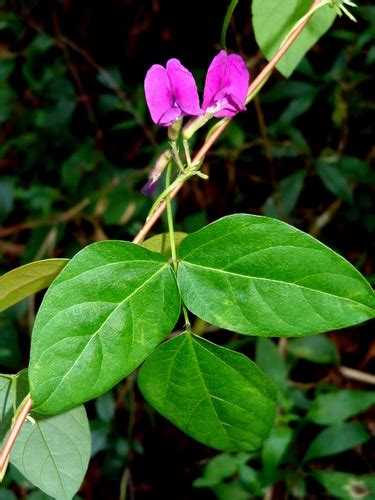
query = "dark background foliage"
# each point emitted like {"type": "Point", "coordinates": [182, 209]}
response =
{"type": "Point", "coordinates": [76, 144]}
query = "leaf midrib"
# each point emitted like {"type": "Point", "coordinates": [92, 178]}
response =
{"type": "Point", "coordinates": [191, 340]}
{"type": "Point", "coordinates": [38, 429]}
{"type": "Point", "coordinates": [165, 266]}
{"type": "Point", "coordinates": [279, 282]}
{"type": "Point", "coordinates": [108, 264]}
{"type": "Point", "coordinates": [237, 372]}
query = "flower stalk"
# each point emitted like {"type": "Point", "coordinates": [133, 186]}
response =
{"type": "Point", "coordinates": [255, 86]}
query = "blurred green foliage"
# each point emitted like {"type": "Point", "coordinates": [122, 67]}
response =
{"type": "Point", "coordinates": [76, 145]}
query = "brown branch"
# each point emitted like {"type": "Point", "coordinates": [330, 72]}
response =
{"type": "Point", "coordinates": [254, 87]}
{"type": "Point", "coordinates": [366, 378]}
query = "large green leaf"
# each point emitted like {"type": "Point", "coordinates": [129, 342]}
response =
{"type": "Point", "coordinates": [53, 452]}
{"type": "Point", "coordinates": [217, 396]}
{"type": "Point", "coordinates": [260, 276]}
{"type": "Point", "coordinates": [110, 307]}
{"type": "Point", "coordinates": [26, 280]}
{"type": "Point", "coordinates": [272, 21]}
{"type": "Point", "coordinates": [334, 407]}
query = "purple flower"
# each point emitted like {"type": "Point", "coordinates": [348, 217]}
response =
{"type": "Point", "coordinates": [226, 86]}
{"type": "Point", "coordinates": [171, 93]}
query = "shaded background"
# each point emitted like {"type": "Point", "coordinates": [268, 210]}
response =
{"type": "Point", "coordinates": [77, 143]}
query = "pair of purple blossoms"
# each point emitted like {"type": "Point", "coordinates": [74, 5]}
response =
{"type": "Point", "coordinates": [171, 92]}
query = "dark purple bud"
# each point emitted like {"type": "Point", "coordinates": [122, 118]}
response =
{"type": "Point", "coordinates": [156, 172]}
{"type": "Point", "coordinates": [149, 187]}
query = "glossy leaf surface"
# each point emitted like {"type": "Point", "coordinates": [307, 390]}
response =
{"type": "Point", "coordinates": [27, 280]}
{"type": "Point", "coordinates": [108, 309]}
{"type": "Point", "coordinates": [217, 396]}
{"type": "Point", "coordinates": [260, 276]}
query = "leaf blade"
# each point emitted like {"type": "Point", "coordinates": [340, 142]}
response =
{"type": "Point", "coordinates": [27, 280]}
{"type": "Point", "coordinates": [328, 409]}
{"type": "Point", "coordinates": [316, 349]}
{"type": "Point", "coordinates": [102, 316]}
{"type": "Point", "coordinates": [337, 439]}
{"type": "Point", "coordinates": [259, 276]}
{"type": "Point", "coordinates": [161, 243]}
{"type": "Point", "coordinates": [282, 15]}
{"type": "Point", "coordinates": [215, 395]}
{"type": "Point", "coordinates": [345, 485]}
{"type": "Point", "coordinates": [53, 453]}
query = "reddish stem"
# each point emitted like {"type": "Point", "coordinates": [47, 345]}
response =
{"type": "Point", "coordinates": [5, 452]}
{"type": "Point", "coordinates": [257, 83]}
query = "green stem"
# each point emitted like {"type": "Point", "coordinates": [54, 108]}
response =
{"type": "Point", "coordinates": [176, 156]}
{"type": "Point", "coordinates": [255, 92]}
{"type": "Point", "coordinates": [192, 126]}
{"type": "Point", "coordinates": [179, 180]}
{"type": "Point", "coordinates": [323, 3]}
{"type": "Point", "coordinates": [170, 218]}
{"type": "Point", "coordinates": [186, 317]}
{"type": "Point", "coordinates": [187, 152]}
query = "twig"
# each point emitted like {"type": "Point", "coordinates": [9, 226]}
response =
{"type": "Point", "coordinates": [324, 218]}
{"type": "Point", "coordinates": [111, 82]}
{"type": "Point", "coordinates": [54, 219]}
{"type": "Point", "coordinates": [254, 87]}
{"type": "Point", "coordinates": [74, 72]}
{"type": "Point", "coordinates": [5, 452]}
{"type": "Point", "coordinates": [62, 41]}
{"type": "Point", "coordinates": [366, 378]}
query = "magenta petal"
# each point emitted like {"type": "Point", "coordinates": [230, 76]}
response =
{"type": "Point", "coordinates": [237, 76]}
{"type": "Point", "coordinates": [158, 92]}
{"type": "Point", "coordinates": [228, 103]}
{"type": "Point", "coordinates": [214, 78]}
{"type": "Point", "coordinates": [184, 88]}
{"type": "Point", "coordinates": [227, 77]}
{"type": "Point", "coordinates": [170, 116]}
